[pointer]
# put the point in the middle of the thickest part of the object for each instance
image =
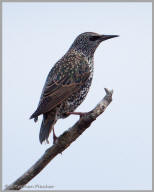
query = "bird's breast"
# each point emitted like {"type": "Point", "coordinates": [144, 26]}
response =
{"type": "Point", "coordinates": [90, 62]}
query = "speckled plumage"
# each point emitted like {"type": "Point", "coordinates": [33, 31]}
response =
{"type": "Point", "coordinates": [68, 82]}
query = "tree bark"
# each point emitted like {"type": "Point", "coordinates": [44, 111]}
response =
{"type": "Point", "coordinates": [63, 142]}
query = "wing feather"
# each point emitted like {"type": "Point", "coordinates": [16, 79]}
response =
{"type": "Point", "coordinates": [58, 90]}
{"type": "Point", "coordinates": [57, 93]}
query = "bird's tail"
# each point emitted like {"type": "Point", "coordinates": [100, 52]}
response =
{"type": "Point", "coordinates": [47, 125]}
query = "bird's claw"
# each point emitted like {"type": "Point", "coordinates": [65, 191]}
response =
{"type": "Point", "coordinates": [54, 139]}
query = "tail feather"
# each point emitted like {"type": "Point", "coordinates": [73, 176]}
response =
{"type": "Point", "coordinates": [45, 131]}
{"type": "Point", "coordinates": [46, 127]}
{"type": "Point", "coordinates": [35, 116]}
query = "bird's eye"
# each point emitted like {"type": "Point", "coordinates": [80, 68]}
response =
{"type": "Point", "coordinates": [94, 38]}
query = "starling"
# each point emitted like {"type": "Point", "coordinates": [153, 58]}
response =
{"type": "Point", "coordinates": [68, 83]}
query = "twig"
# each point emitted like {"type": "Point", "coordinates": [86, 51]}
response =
{"type": "Point", "coordinates": [63, 142]}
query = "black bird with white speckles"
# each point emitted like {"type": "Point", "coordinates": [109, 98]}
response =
{"type": "Point", "coordinates": [68, 82]}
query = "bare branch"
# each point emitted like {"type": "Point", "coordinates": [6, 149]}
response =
{"type": "Point", "coordinates": [63, 142]}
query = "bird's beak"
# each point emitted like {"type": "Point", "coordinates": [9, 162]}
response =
{"type": "Point", "coordinates": [105, 37]}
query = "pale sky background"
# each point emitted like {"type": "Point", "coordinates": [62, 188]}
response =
{"type": "Point", "coordinates": [116, 151]}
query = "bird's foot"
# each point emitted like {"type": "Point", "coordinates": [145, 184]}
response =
{"type": "Point", "coordinates": [54, 136]}
{"type": "Point", "coordinates": [54, 139]}
{"type": "Point", "coordinates": [81, 114]}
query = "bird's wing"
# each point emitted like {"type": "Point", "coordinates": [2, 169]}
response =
{"type": "Point", "coordinates": [58, 90]}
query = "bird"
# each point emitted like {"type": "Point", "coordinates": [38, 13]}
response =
{"type": "Point", "coordinates": [68, 83]}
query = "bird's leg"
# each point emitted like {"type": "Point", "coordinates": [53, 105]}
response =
{"type": "Point", "coordinates": [47, 141]}
{"type": "Point", "coordinates": [54, 136]}
{"type": "Point", "coordinates": [76, 113]}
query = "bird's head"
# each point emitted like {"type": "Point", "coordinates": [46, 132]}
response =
{"type": "Point", "coordinates": [88, 42]}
